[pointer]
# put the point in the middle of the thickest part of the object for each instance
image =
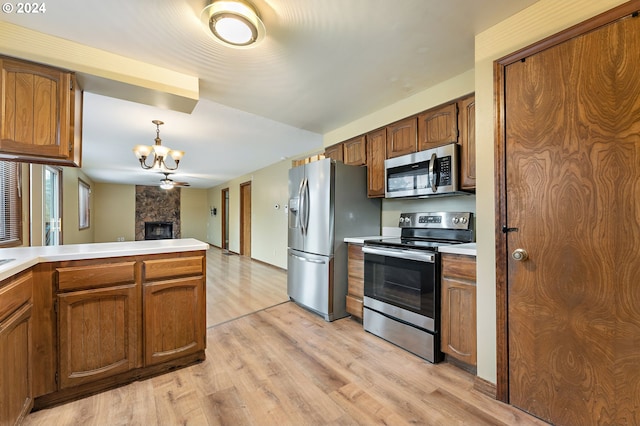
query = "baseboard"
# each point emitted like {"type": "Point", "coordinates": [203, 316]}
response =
{"type": "Point", "coordinates": [485, 387]}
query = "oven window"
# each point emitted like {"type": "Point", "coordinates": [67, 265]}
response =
{"type": "Point", "coordinates": [407, 284]}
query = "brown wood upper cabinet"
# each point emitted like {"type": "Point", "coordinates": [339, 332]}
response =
{"type": "Point", "coordinates": [438, 126]}
{"type": "Point", "coordinates": [355, 152]}
{"type": "Point", "coordinates": [401, 137]}
{"type": "Point", "coordinates": [376, 154]}
{"type": "Point", "coordinates": [467, 141]}
{"type": "Point", "coordinates": [41, 117]}
{"type": "Point", "coordinates": [335, 152]}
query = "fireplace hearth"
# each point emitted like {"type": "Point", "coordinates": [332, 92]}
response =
{"type": "Point", "coordinates": [158, 230]}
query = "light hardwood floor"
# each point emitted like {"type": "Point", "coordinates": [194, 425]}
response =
{"type": "Point", "coordinates": [285, 366]}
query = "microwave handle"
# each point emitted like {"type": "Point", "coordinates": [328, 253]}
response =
{"type": "Point", "coordinates": [432, 172]}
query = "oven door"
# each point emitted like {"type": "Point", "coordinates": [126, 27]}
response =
{"type": "Point", "coordinates": [403, 284]}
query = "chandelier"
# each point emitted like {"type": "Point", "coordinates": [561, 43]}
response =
{"type": "Point", "coordinates": [159, 152]}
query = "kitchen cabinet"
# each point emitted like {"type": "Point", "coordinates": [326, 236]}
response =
{"type": "Point", "coordinates": [467, 141]}
{"type": "Point", "coordinates": [16, 395]}
{"type": "Point", "coordinates": [438, 126]}
{"type": "Point", "coordinates": [41, 117]}
{"type": "Point", "coordinates": [376, 154]}
{"type": "Point", "coordinates": [98, 328]}
{"type": "Point", "coordinates": [174, 308]}
{"type": "Point", "coordinates": [335, 152]}
{"type": "Point", "coordinates": [402, 137]}
{"type": "Point", "coordinates": [458, 312]}
{"type": "Point", "coordinates": [355, 152]}
{"type": "Point", "coordinates": [355, 287]}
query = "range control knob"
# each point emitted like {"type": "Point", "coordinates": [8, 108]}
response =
{"type": "Point", "coordinates": [463, 219]}
{"type": "Point", "coordinates": [456, 220]}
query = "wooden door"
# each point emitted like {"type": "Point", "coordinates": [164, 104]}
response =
{"type": "Point", "coordinates": [402, 137]}
{"type": "Point", "coordinates": [376, 154]}
{"type": "Point", "coordinates": [98, 333]}
{"type": "Point", "coordinates": [572, 181]}
{"type": "Point", "coordinates": [438, 127]}
{"type": "Point", "coordinates": [225, 219]}
{"type": "Point", "coordinates": [245, 219]}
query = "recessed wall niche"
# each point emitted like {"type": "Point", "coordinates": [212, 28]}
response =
{"type": "Point", "coordinates": [154, 204]}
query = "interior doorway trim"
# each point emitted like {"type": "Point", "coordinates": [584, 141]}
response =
{"type": "Point", "coordinates": [502, 332]}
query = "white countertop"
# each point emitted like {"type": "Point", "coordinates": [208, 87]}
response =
{"type": "Point", "coordinates": [26, 257]}
{"type": "Point", "coordinates": [361, 240]}
{"type": "Point", "coordinates": [467, 248]}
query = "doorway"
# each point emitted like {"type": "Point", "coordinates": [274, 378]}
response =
{"type": "Point", "coordinates": [51, 206]}
{"type": "Point", "coordinates": [568, 154]}
{"type": "Point", "coordinates": [245, 219]}
{"type": "Point", "coordinates": [225, 219]}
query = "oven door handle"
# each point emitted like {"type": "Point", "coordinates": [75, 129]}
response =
{"type": "Point", "coordinates": [401, 254]}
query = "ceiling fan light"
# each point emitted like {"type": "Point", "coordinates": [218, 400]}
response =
{"type": "Point", "coordinates": [166, 185]}
{"type": "Point", "coordinates": [233, 23]}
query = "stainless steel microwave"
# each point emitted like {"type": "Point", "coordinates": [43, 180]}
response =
{"type": "Point", "coordinates": [433, 172]}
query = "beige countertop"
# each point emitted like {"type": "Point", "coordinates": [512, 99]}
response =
{"type": "Point", "coordinates": [25, 257]}
{"type": "Point", "coordinates": [467, 248]}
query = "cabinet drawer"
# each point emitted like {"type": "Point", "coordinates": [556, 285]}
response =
{"type": "Point", "coordinates": [175, 267]}
{"type": "Point", "coordinates": [92, 276]}
{"type": "Point", "coordinates": [14, 294]}
{"type": "Point", "coordinates": [459, 266]}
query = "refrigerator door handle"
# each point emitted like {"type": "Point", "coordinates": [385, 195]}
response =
{"type": "Point", "coordinates": [304, 216]}
{"type": "Point", "coordinates": [304, 259]}
{"type": "Point", "coordinates": [300, 206]}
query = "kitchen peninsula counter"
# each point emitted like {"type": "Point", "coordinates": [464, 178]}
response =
{"type": "Point", "coordinates": [25, 257]}
{"type": "Point", "coordinates": [89, 317]}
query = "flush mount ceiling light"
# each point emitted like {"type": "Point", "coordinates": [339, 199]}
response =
{"type": "Point", "coordinates": [159, 152]}
{"type": "Point", "coordinates": [233, 23]}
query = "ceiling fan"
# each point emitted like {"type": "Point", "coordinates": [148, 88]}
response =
{"type": "Point", "coordinates": [168, 183]}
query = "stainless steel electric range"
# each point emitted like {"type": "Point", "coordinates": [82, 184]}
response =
{"type": "Point", "coordinates": [402, 280]}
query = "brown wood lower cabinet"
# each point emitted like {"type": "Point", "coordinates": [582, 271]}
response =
{"type": "Point", "coordinates": [355, 292]}
{"type": "Point", "coordinates": [117, 320]}
{"type": "Point", "coordinates": [16, 396]}
{"type": "Point", "coordinates": [97, 332]}
{"type": "Point", "coordinates": [459, 307]}
{"type": "Point", "coordinates": [173, 312]}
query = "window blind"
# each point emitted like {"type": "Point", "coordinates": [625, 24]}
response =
{"type": "Point", "coordinates": [10, 204]}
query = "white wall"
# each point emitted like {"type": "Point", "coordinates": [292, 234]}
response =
{"type": "Point", "coordinates": [544, 18]}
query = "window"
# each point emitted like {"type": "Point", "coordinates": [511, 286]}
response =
{"type": "Point", "coordinates": [84, 191]}
{"type": "Point", "coordinates": [10, 204]}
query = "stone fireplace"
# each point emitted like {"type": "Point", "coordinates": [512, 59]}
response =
{"type": "Point", "coordinates": [160, 207]}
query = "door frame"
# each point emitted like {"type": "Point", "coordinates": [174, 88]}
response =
{"type": "Point", "coordinates": [502, 320]}
{"type": "Point", "coordinates": [223, 241]}
{"type": "Point", "coordinates": [245, 216]}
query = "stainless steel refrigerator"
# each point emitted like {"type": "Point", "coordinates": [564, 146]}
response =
{"type": "Point", "coordinates": [327, 202]}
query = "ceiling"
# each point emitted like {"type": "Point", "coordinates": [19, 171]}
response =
{"type": "Point", "coordinates": [322, 64]}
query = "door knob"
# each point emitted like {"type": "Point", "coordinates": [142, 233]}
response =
{"type": "Point", "coordinates": [520, 255]}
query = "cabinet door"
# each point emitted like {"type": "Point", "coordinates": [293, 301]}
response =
{"type": "Point", "coordinates": [467, 141]}
{"type": "Point", "coordinates": [36, 111]}
{"type": "Point", "coordinates": [15, 366]}
{"type": "Point", "coordinates": [174, 319]}
{"type": "Point", "coordinates": [98, 334]}
{"type": "Point", "coordinates": [354, 151]}
{"type": "Point", "coordinates": [401, 137]}
{"type": "Point", "coordinates": [376, 154]}
{"type": "Point", "coordinates": [355, 292]}
{"type": "Point", "coordinates": [438, 126]}
{"type": "Point", "coordinates": [459, 307]}
{"type": "Point", "coordinates": [335, 152]}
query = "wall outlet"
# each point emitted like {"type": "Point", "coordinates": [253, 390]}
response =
{"type": "Point", "coordinates": [120, 239]}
